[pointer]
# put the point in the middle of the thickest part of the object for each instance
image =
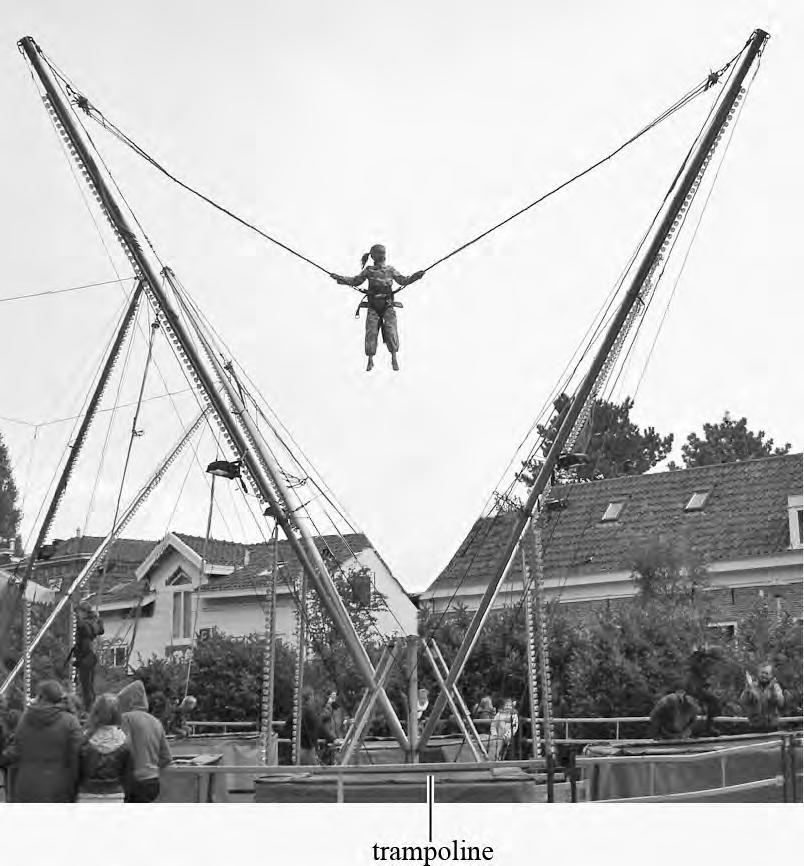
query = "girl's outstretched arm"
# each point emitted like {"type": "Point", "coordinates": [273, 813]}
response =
{"type": "Point", "coordinates": [351, 281]}
{"type": "Point", "coordinates": [406, 281]}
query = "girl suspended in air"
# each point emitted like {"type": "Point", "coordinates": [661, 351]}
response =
{"type": "Point", "coordinates": [380, 304]}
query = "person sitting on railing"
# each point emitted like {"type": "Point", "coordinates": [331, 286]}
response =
{"type": "Point", "coordinates": [674, 715]}
{"type": "Point", "coordinates": [762, 699]}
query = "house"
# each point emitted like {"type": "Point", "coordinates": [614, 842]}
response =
{"type": "Point", "coordinates": [61, 561]}
{"type": "Point", "coordinates": [34, 592]}
{"type": "Point", "coordinates": [743, 520]}
{"type": "Point", "coordinates": [169, 597]}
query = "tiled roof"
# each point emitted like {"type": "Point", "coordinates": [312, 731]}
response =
{"type": "Point", "coordinates": [124, 557]}
{"type": "Point", "coordinates": [218, 552]}
{"type": "Point", "coordinates": [261, 557]}
{"type": "Point", "coordinates": [744, 516]}
{"type": "Point", "coordinates": [130, 550]}
{"type": "Point", "coordinates": [128, 553]}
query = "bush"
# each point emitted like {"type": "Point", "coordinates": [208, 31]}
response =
{"type": "Point", "coordinates": [225, 679]}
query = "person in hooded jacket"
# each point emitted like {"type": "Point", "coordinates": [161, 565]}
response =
{"type": "Point", "coordinates": [45, 752]}
{"type": "Point", "coordinates": [149, 746]}
{"type": "Point", "coordinates": [9, 719]}
{"type": "Point", "coordinates": [105, 755]}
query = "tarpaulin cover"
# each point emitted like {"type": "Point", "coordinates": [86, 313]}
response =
{"type": "Point", "coordinates": [503, 785]}
{"type": "Point", "coordinates": [619, 780]}
{"type": "Point", "coordinates": [231, 750]}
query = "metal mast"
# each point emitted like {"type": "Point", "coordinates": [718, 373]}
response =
{"type": "Point", "coordinates": [75, 450]}
{"type": "Point", "coordinates": [687, 177]}
{"type": "Point", "coordinates": [260, 467]}
{"type": "Point", "coordinates": [103, 548]}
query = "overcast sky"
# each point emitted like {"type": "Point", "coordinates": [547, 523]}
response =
{"type": "Point", "coordinates": [416, 124]}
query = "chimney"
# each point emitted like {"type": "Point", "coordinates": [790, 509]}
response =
{"type": "Point", "coordinates": [246, 557]}
{"type": "Point", "coordinates": [77, 531]}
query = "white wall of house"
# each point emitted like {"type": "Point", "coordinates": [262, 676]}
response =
{"type": "Point", "coordinates": [241, 612]}
{"type": "Point", "coordinates": [400, 616]}
{"type": "Point", "coordinates": [177, 610]}
{"type": "Point", "coordinates": [155, 633]}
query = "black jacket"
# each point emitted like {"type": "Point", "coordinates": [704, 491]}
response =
{"type": "Point", "coordinates": [105, 761]}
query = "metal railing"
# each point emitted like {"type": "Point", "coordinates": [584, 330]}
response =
{"type": "Point", "coordinates": [616, 721]}
{"type": "Point", "coordinates": [565, 721]}
{"type": "Point", "coordinates": [222, 727]}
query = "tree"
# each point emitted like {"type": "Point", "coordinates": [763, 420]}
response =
{"type": "Point", "coordinates": [330, 666]}
{"type": "Point", "coordinates": [667, 572]}
{"type": "Point", "coordinates": [498, 665]}
{"type": "Point", "coordinates": [727, 441]}
{"type": "Point", "coordinates": [49, 659]}
{"type": "Point", "coordinates": [10, 597]}
{"type": "Point", "coordinates": [9, 513]}
{"type": "Point", "coordinates": [226, 678]}
{"type": "Point", "coordinates": [617, 446]}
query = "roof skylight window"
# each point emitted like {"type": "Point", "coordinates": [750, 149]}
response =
{"type": "Point", "coordinates": [697, 501]}
{"type": "Point", "coordinates": [612, 512]}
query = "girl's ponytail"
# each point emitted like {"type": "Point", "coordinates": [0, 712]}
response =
{"type": "Point", "coordinates": [364, 259]}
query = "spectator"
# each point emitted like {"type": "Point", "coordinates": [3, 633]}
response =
{"type": "Point", "coordinates": [335, 717]}
{"type": "Point", "coordinates": [149, 747]}
{"type": "Point", "coordinates": [422, 703]}
{"type": "Point", "coordinates": [674, 715]}
{"type": "Point", "coordinates": [45, 751]}
{"type": "Point", "coordinates": [504, 726]}
{"type": "Point", "coordinates": [311, 729]}
{"type": "Point", "coordinates": [762, 699]}
{"type": "Point", "coordinates": [179, 723]}
{"type": "Point", "coordinates": [703, 666]}
{"type": "Point", "coordinates": [484, 709]}
{"type": "Point", "coordinates": [105, 755]}
{"type": "Point", "coordinates": [9, 719]}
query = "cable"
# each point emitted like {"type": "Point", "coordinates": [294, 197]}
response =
{"type": "Point", "coordinates": [692, 239]}
{"type": "Point", "coordinates": [91, 111]}
{"type": "Point", "coordinates": [99, 117]}
{"type": "Point", "coordinates": [28, 470]}
{"type": "Point", "coordinates": [133, 435]}
{"type": "Point", "coordinates": [676, 106]}
{"type": "Point", "coordinates": [108, 433]}
{"type": "Point", "coordinates": [63, 291]}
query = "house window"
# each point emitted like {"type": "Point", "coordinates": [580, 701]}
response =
{"type": "Point", "coordinates": [182, 615]}
{"type": "Point", "coordinates": [115, 656]}
{"type": "Point", "coordinates": [182, 605]}
{"type": "Point", "coordinates": [612, 512]}
{"type": "Point", "coordinates": [795, 516]}
{"type": "Point", "coordinates": [362, 588]}
{"type": "Point", "coordinates": [728, 630]}
{"type": "Point", "coordinates": [697, 501]}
